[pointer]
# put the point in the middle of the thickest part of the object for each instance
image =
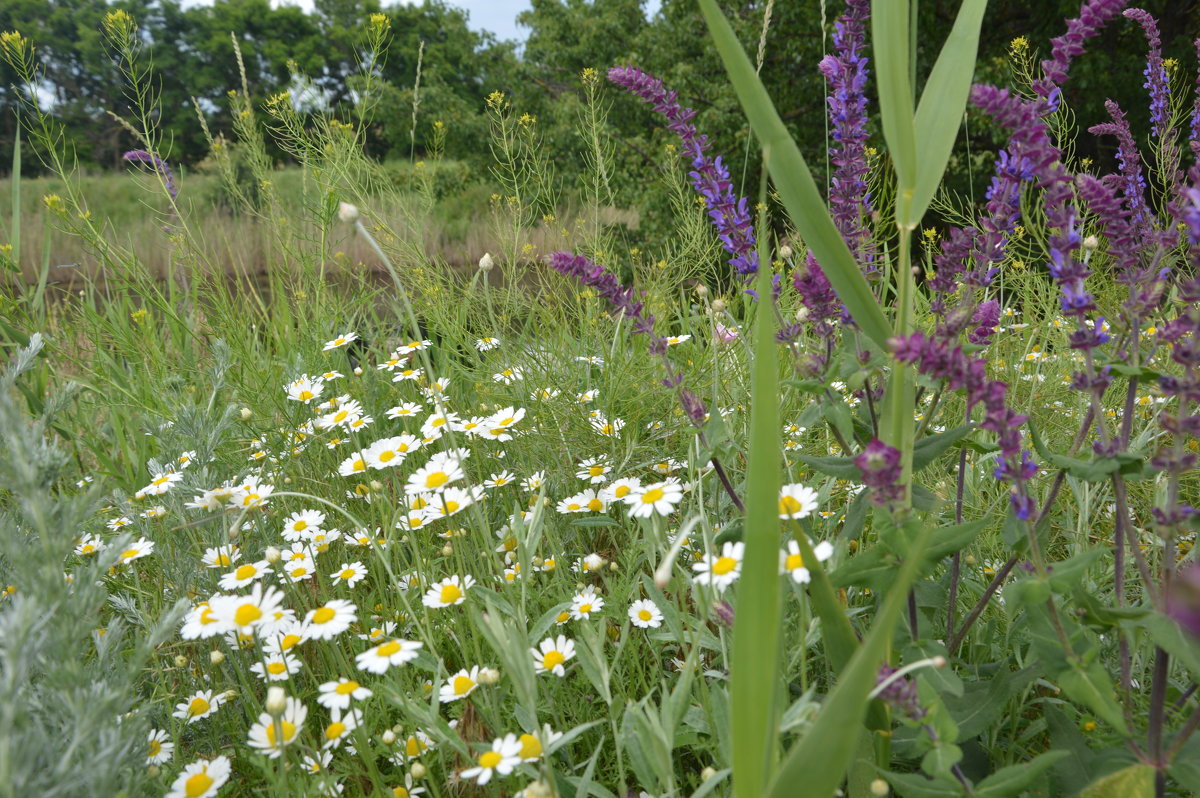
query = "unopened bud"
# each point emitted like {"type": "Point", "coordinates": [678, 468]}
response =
{"type": "Point", "coordinates": [785, 252]}
{"type": "Point", "coordinates": [702, 290]}
{"type": "Point", "coordinates": [181, 661]}
{"type": "Point", "coordinates": [486, 263]}
{"type": "Point", "coordinates": [489, 676]}
{"type": "Point", "coordinates": [447, 550]}
{"type": "Point", "coordinates": [216, 657]}
{"type": "Point", "coordinates": [272, 554]}
{"type": "Point", "coordinates": [723, 612]}
{"type": "Point", "coordinates": [593, 562]}
{"type": "Point", "coordinates": [347, 212]}
{"type": "Point", "coordinates": [417, 770]}
{"type": "Point", "coordinates": [152, 772]}
{"type": "Point", "coordinates": [538, 789]}
{"type": "Point", "coordinates": [718, 306]}
{"type": "Point", "coordinates": [376, 485]}
{"type": "Point", "coordinates": [276, 700]}
{"type": "Point", "coordinates": [358, 371]}
{"type": "Point", "coordinates": [388, 737]}
{"type": "Point", "coordinates": [879, 787]}
{"type": "Point", "coordinates": [1091, 242]}
{"type": "Point", "coordinates": [707, 773]}
{"type": "Point", "coordinates": [612, 566]}
{"type": "Point", "coordinates": [246, 413]}
{"type": "Point", "coordinates": [234, 532]}
{"type": "Point", "coordinates": [801, 314]}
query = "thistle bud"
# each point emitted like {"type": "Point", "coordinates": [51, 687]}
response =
{"type": "Point", "coordinates": [1091, 242]}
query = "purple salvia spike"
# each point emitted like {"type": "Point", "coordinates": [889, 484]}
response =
{"type": "Point", "coordinates": [1129, 159]}
{"type": "Point", "coordinates": [1093, 16]}
{"type": "Point", "coordinates": [1157, 82]}
{"type": "Point", "coordinates": [1194, 123]}
{"type": "Point", "coordinates": [729, 213]}
{"type": "Point", "coordinates": [846, 71]}
{"type": "Point", "coordinates": [156, 164]}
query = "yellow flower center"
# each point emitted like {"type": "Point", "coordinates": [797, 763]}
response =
{"type": "Point", "coordinates": [198, 706]}
{"type": "Point", "coordinates": [223, 559]}
{"type": "Point", "coordinates": [552, 660]}
{"type": "Point", "coordinates": [300, 525]}
{"type": "Point", "coordinates": [276, 668]}
{"type": "Point", "coordinates": [346, 688]}
{"type": "Point", "coordinates": [724, 565]}
{"type": "Point", "coordinates": [388, 649]}
{"type": "Point", "coordinates": [360, 465]}
{"type": "Point", "coordinates": [584, 609]}
{"type": "Point", "coordinates": [160, 480]}
{"type": "Point", "coordinates": [289, 731]}
{"type": "Point", "coordinates": [335, 730]}
{"type": "Point", "coordinates": [793, 562]}
{"type": "Point", "coordinates": [197, 784]}
{"type": "Point", "coordinates": [437, 479]}
{"type": "Point", "coordinates": [563, 616]}
{"type": "Point", "coordinates": [289, 641]}
{"type": "Point", "coordinates": [463, 685]}
{"type": "Point", "coordinates": [789, 505]}
{"type": "Point", "coordinates": [413, 746]}
{"type": "Point", "coordinates": [645, 615]}
{"type": "Point", "coordinates": [247, 614]}
{"type": "Point", "coordinates": [652, 495]}
{"type": "Point", "coordinates": [622, 491]}
{"type": "Point", "coordinates": [531, 747]}
{"type": "Point", "coordinates": [451, 507]}
{"type": "Point", "coordinates": [129, 554]}
{"type": "Point", "coordinates": [386, 456]}
{"type": "Point", "coordinates": [595, 505]}
{"type": "Point", "coordinates": [155, 747]}
{"type": "Point", "coordinates": [323, 615]}
{"type": "Point", "coordinates": [399, 792]}
{"type": "Point", "coordinates": [245, 572]}
{"type": "Point", "coordinates": [347, 574]}
{"type": "Point", "coordinates": [450, 594]}
{"type": "Point", "coordinates": [490, 759]}
{"type": "Point", "coordinates": [304, 396]}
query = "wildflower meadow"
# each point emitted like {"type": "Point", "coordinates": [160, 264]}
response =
{"type": "Point", "coordinates": [848, 483]}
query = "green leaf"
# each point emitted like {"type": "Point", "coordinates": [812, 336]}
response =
{"type": "Point", "coordinates": [840, 467]}
{"type": "Point", "coordinates": [929, 448]}
{"type": "Point", "coordinates": [795, 183]}
{"type": "Point", "coordinates": [1091, 686]}
{"type": "Point", "coordinates": [939, 759]}
{"type": "Point", "coordinates": [943, 103]}
{"type": "Point", "coordinates": [838, 634]}
{"type": "Point", "coordinates": [1135, 781]}
{"type": "Point", "coordinates": [1010, 781]}
{"type": "Point", "coordinates": [914, 785]}
{"type": "Point", "coordinates": [756, 635]}
{"type": "Point", "coordinates": [820, 759]}
{"type": "Point", "coordinates": [890, 21]}
{"type": "Point", "coordinates": [1167, 635]}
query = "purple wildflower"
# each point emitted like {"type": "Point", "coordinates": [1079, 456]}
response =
{"type": "Point", "coordinates": [729, 213]}
{"type": "Point", "coordinates": [1157, 82]}
{"type": "Point", "coordinates": [900, 693]}
{"type": "Point", "coordinates": [1194, 122]}
{"type": "Point", "coordinates": [846, 71]}
{"type": "Point", "coordinates": [1093, 16]}
{"type": "Point", "coordinates": [880, 467]}
{"type": "Point", "coordinates": [606, 284]}
{"type": "Point", "coordinates": [987, 316]}
{"type": "Point", "coordinates": [157, 165]}
{"type": "Point", "coordinates": [1128, 159]}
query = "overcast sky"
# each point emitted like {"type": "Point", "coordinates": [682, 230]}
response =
{"type": "Point", "coordinates": [498, 16]}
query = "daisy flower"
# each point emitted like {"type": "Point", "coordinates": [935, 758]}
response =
{"type": "Point", "coordinates": [360, 423]}
{"type": "Point", "coordinates": [248, 613]}
{"type": "Point", "coordinates": [344, 415]}
{"type": "Point", "coordinates": [337, 695]}
{"type": "Point", "coordinates": [675, 340]}
{"type": "Point", "coordinates": [251, 493]}
{"type": "Point", "coordinates": [586, 603]}
{"type": "Point", "coordinates": [244, 575]}
{"type": "Point", "coordinates": [487, 344]}
{"type": "Point", "coordinates": [607, 427]}
{"type": "Point", "coordinates": [594, 469]}
{"type": "Point", "coordinates": [298, 570]}
{"type": "Point", "coordinates": [340, 341]}
{"type": "Point", "coordinates": [534, 481]}
{"type": "Point", "coordinates": [201, 779]}
{"type": "Point", "coordinates": [544, 394]}
{"type": "Point", "coordinates": [305, 389]}
{"type": "Point", "coordinates": [502, 758]}
{"type": "Point", "coordinates": [460, 685]}
{"type": "Point", "coordinates": [159, 747]}
{"type": "Point", "coordinates": [447, 592]}
{"type": "Point", "coordinates": [498, 425]}
{"type": "Point", "coordinates": [135, 551]}
{"type": "Point", "coordinates": [161, 483]}
{"type": "Point", "coordinates": [499, 480]}
{"type": "Point", "coordinates": [551, 655]}
{"type": "Point", "coordinates": [587, 396]}
{"type": "Point", "coordinates": [406, 410]}
{"type": "Point", "coordinates": [509, 375]}
{"type": "Point", "coordinates": [201, 623]}
{"type": "Point", "coordinates": [353, 465]}
{"type": "Point", "coordinates": [350, 574]}
{"type": "Point", "coordinates": [386, 654]}
{"type": "Point", "coordinates": [118, 523]}
{"type": "Point", "coordinates": [584, 502]}
{"type": "Point", "coordinates": [645, 614]}
{"type": "Point", "coordinates": [270, 736]}
{"type": "Point", "coordinates": [330, 376]}
{"type": "Point", "coordinates": [591, 360]}
{"type": "Point", "coordinates": [89, 544]}
{"type": "Point", "coordinates": [409, 790]}
{"type": "Point", "coordinates": [791, 562]}
{"type": "Point", "coordinates": [437, 388]}
{"type": "Point", "coordinates": [198, 706]}
{"type": "Point", "coordinates": [340, 727]}
{"type": "Point", "coordinates": [389, 452]}
{"type": "Point", "coordinates": [317, 764]}
{"type": "Point", "coordinates": [413, 346]}
{"type": "Point", "coordinates": [533, 746]}
{"type": "Point", "coordinates": [797, 501]}
{"type": "Point", "coordinates": [721, 571]}
{"type": "Point", "coordinates": [619, 489]}
{"type": "Point", "coordinates": [276, 667]}
{"type": "Point", "coordinates": [434, 475]}
{"type": "Point", "coordinates": [406, 375]}
{"type": "Point", "coordinates": [658, 498]}
{"type": "Point", "coordinates": [454, 500]}
{"type": "Point", "coordinates": [330, 619]}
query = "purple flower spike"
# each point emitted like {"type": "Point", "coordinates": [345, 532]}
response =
{"type": "Point", "coordinates": [846, 71]}
{"type": "Point", "coordinates": [880, 467]}
{"type": "Point", "coordinates": [1157, 82]}
{"type": "Point", "coordinates": [156, 164]}
{"type": "Point", "coordinates": [606, 284]}
{"type": "Point", "coordinates": [1128, 158]}
{"type": "Point", "coordinates": [1093, 16]}
{"type": "Point", "coordinates": [729, 213]}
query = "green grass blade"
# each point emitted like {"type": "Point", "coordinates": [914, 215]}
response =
{"type": "Point", "coordinates": [889, 34]}
{"type": "Point", "coordinates": [820, 760]}
{"type": "Point", "coordinates": [795, 183]}
{"type": "Point", "coordinates": [15, 235]}
{"type": "Point", "coordinates": [836, 631]}
{"type": "Point", "coordinates": [756, 633]}
{"type": "Point", "coordinates": [940, 111]}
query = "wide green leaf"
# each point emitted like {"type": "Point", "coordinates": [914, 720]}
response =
{"type": "Point", "coordinates": [794, 181]}
{"type": "Point", "coordinates": [1135, 781]}
{"type": "Point", "coordinates": [890, 21]}
{"type": "Point", "coordinates": [943, 101]}
{"type": "Point", "coordinates": [1011, 781]}
{"type": "Point", "coordinates": [1091, 686]}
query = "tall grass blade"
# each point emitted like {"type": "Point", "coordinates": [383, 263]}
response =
{"type": "Point", "coordinates": [940, 111]}
{"type": "Point", "coordinates": [820, 760]}
{"type": "Point", "coordinates": [889, 34]}
{"type": "Point", "coordinates": [795, 183]}
{"type": "Point", "coordinates": [14, 237]}
{"type": "Point", "coordinates": [756, 633]}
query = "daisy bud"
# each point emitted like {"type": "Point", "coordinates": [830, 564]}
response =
{"type": "Point", "coordinates": [181, 661]}
{"type": "Point", "coordinates": [216, 657]}
{"type": "Point", "coordinates": [388, 737]}
{"type": "Point", "coordinates": [272, 554]}
{"type": "Point", "coordinates": [612, 566]}
{"type": "Point", "coordinates": [234, 532]}
{"type": "Point", "coordinates": [276, 700]}
{"type": "Point", "coordinates": [718, 306]}
{"type": "Point", "coordinates": [486, 263]}
{"type": "Point", "coordinates": [358, 371]}
{"type": "Point", "coordinates": [447, 550]}
{"type": "Point", "coordinates": [593, 562]}
{"type": "Point", "coordinates": [801, 314]}
{"type": "Point", "coordinates": [785, 252]}
{"type": "Point", "coordinates": [702, 290]}
{"type": "Point", "coordinates": [879, 787]}
{"type": "Point", "coordinates": [707, 773]}
{"type": "Point", "coordinates": [287, 480]}
{"type": "Point", "coordinates": [152, 772]}
{"type": "Point", "coordinates": [1091, 242]}
{"type": "Point", "coordinates": [347, 212]}
{"type": "Point", "coordinates": [246, 413]}
{"type": "Point", "coordinates": [489, 676]}
{"type": "Point", "coordinates": [539, 789]}
{"type": "Point", "coordinates": [417, 770]}
{"type": "Point", "coordinates": [376, 485]}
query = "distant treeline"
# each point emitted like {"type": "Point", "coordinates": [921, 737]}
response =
{"type": "Point", "coordinates": [192, 55]}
